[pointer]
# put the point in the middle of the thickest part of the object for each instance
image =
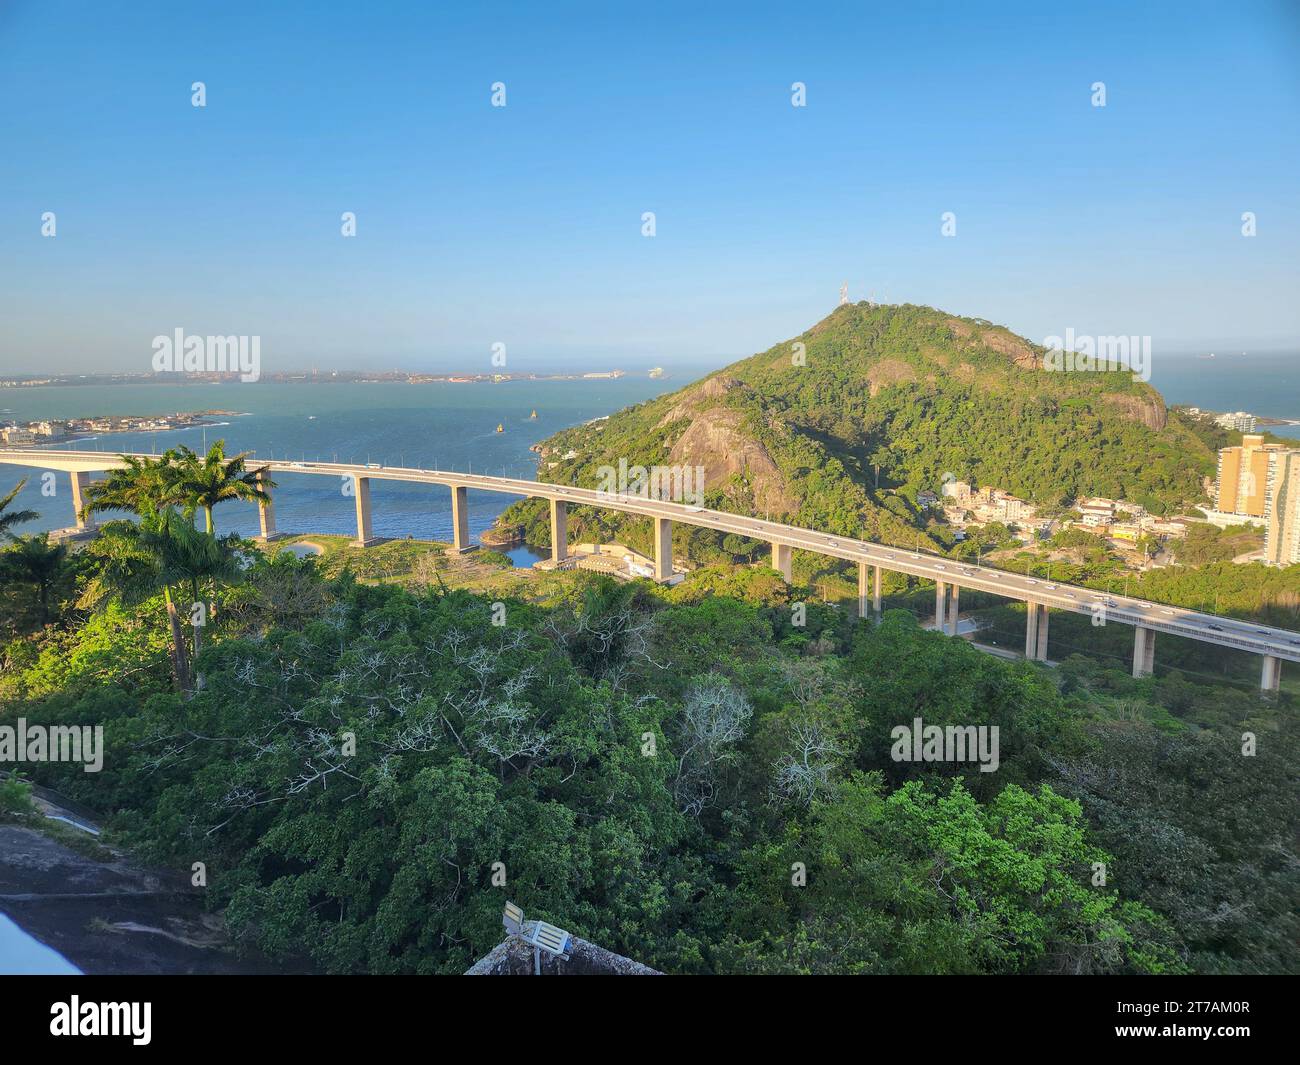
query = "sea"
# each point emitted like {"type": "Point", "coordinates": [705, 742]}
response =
{"type": "Point", "coordinates": [455, 427]}
{"type": "Point", "coordinates": [475, 427]}
{"type": "Point", "coordinates": [1266, 384]}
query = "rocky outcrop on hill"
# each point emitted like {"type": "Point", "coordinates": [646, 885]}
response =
{"type": "Point", "coordinates": [716, 440]}
{"type": "Point", "coordinates": [847, 422]}
{"type": "Point", "coordinates": [1148, 409]}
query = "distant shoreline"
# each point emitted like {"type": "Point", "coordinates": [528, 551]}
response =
{"type": "Point", "coordinates": [333, 377]}
{"type": "Point", "coordinates": [97, 425]}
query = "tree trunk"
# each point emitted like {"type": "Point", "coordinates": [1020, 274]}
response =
{"type": "Point", "coordinates": [198, 631]}
{"type": "Point", "coordinates": [179, 666]}
{"type": "Point", "coordinates": [198, 646]}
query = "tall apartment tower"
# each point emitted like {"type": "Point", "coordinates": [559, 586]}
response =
{"type": "Point", "coordinates": [1282, 531]}
{"type": "Point", "coordinates": [1243, 479]}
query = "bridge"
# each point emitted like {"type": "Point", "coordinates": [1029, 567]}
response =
{"type": "Point", "coordinates": [1273, 645]}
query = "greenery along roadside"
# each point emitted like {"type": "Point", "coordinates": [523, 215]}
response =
{"type": "Point", "coordinates": [687, 778]}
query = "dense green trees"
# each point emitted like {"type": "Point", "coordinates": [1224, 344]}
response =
{"type": "Point", "coordinates": [688, 777]}
{"type": "Point", "coordinates": [203, 481]}
{"type": "Point", "coordinates": [37, 563]}
{"type": "Point", "coordinates": [163, 552]}
{"type": "Point", "coordinates": [180, 478]}
{"type": "Point", "coordinates": [928, 880]}
{"type": "Point", "coordinates": [886, 402]}
{"type": "Point", "coordinates": [700, 777]}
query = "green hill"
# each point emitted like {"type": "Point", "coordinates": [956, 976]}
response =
{"type": "Point", "coordinates": [840, 427]}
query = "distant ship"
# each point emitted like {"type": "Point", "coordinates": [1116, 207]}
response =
{"type": "Point", "coordinates": [657, 372]}
{"type": "Point", "coordinates": [533, 417]}
{"type": "Point", "coordinates": [501, 428]}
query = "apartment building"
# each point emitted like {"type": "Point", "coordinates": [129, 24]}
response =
{"type": "Point", "coordinates": [1242, 484]}
{"type": "Point", "coordinates": [956, 490]}
{"type": "Point", "coordinates": [1096, 512]}
{"type": "Point", "coordinates": [1262, 481]}
{"type": "Point", "coordinates": [1282, 529]}
{"type": "Point", "coordinates": [1238, 421]}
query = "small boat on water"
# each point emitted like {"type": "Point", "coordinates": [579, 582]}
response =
{"type": "Point", "coordinates": [501, 428]}
{"type": "Point", "coordinates": [533, 417]}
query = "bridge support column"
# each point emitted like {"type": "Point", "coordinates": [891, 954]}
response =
{"type": "Point", "coordinates": [1270, 680]}
{"type": "Point", "coordinates": [954, 590]}
{"type": "Point", "coordinates": [1144, 651]}
{"type": "Point", "coordinates": [361, 493]}
{"type": "Point", "coordinates": [781, 554]}
{"type": "Point", "coordinates": [940, 606]}
{"type": "Point", "coordinates": [1042, 632]}
{"type": "Point", "coordinates": [1031, 631]}
{"type": "Point", "coordinates": [663, 549]}
{"type": "Point", "coordinates": [864, 581]}
{"type": "Point", "coordinates": [80, 482]}
{"type": "Point", "coordinates": [460, 519]}
{"type": "Point", "coordinates": [265, 512]}
{"type": "Point", "coordinates": [875, 595]}
{"type": "Point", "coordinates": [560, 530]}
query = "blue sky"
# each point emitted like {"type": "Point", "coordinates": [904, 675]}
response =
{"type": "Point", "coordinates": [522, 224]}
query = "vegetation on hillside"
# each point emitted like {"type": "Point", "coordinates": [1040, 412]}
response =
{"type": "Point", "coordinates": [841, 427]}
{"type": "Point", "coordinates": [703, 778]}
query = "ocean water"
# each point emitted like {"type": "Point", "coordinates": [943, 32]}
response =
{"type": "Point", "coordinates": [453, 426]}
{"type": "Point", "coordinates": [1265, 384]}
{"type": "Point", "coordinates": [448, 426]}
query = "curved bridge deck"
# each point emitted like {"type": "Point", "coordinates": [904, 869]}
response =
{"type": "Point", "coordinates": [1274, 644]}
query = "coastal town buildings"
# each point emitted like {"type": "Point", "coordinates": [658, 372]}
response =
{"type": "Point", "coordinates": [48, 431]}
{"type": "Point", "coordinates": [1238, 421]}
{"type": "Point", "coordinates": [989, 503]}
{"type": "Point", "coordinates": [1096, 512]}
{"type": "Point", "coordinates": [1119, 520]}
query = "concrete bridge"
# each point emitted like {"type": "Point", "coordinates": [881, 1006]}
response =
{"type": "Point", "coordinates": [1273, 645]}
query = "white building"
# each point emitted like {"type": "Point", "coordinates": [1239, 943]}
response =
{"type": "Point", "coordinates": [1239, 421]}
{"type": "Point", "coordinates": [1096, 512]}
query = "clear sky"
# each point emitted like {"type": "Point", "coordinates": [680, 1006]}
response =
{"type": "Point", "coordinates": [522, 225]}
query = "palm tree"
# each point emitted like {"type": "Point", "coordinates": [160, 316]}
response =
{"type": "Point", "coordinates": [10, 518]}
{"type": "Point", "coordinates": [37, 562]}
{"type": "Point", "coordinates": [139, 486]}
{"type": "Point", "coordinates": [162, 553]}
{"type": "Point", "coordinates": [205, 481]}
